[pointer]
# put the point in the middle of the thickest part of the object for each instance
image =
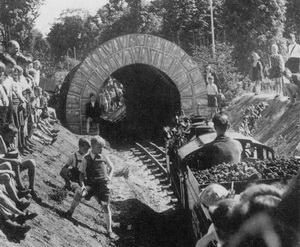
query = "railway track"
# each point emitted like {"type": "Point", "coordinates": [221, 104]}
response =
{"type": "Point", "coordinates": [154, 157]}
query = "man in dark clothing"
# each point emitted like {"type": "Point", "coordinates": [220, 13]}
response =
{"type": "Point", "coordinates": [223, 148]}
{"type": "Point", "coordinates": [93, 112]}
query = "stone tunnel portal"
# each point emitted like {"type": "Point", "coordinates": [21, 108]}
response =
{"type": "Point", "coordinates": [160, 79]}
{"type": "Point", "coordinates": [151, 99]}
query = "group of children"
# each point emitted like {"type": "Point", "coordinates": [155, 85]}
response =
{"type": "Point", "coordinates": [22, 102]}
{"type": "Point", "coordinates": [284, 74]}
{"type": "Point", "coordinates": [24, 119]}
{"type": "Point", "coordinates": [91, 170]}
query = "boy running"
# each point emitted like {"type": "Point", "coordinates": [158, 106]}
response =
{"type": "Point", "coordinates": [98, 170]}
{"type": "Point", "coordinates": [70, 172]}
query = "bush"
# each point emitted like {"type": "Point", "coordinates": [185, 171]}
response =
{"type": "Point", "coordinates": [223, 65]}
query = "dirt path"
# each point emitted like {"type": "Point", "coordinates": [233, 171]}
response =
{"type": "Point", "coordinates": [142, 213]}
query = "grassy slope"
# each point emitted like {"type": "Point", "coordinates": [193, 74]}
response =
{"type": "Point", "coordinates": [136, 199]}
{"type": "Point", "coordinates": [279, 126]}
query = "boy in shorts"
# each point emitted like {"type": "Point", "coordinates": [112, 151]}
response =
{"type": "Point", "coordinates": [98, 170]}
{"type": "Point", "coordinates": [70, 172]}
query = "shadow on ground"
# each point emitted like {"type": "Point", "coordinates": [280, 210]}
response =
{"type": "Point", "coordinates": [142, 226]}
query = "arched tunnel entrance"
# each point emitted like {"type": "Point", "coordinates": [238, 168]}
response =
{"type": "Point", "coordinates": [160, 79]}
{"type": "Point", "coordinates": [151, 99]}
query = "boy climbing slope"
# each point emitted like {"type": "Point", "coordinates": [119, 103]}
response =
{"type": "Point", "coordinates": [70, 172]}
{"type": "Point", "coordinates": [98, 170]}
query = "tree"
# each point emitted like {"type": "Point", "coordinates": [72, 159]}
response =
{"type": "Point", "coordinates": [293, 17]}
{"type": "Point", "coordinates": [251, 25]}
{"type": "Point", "coordinates": [128, 16]}
{"type": "Point", "coordinates": [17, 18]}
{"type": "Point", "coordinates": [180, 22]}
{"type": "Point", "coordinates": [73, 34]}
{"type": "Point", "coordinates": [224, 65]}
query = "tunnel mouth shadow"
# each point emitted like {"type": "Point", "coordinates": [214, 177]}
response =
{"type": "Point", "coordinates": [152, 101]}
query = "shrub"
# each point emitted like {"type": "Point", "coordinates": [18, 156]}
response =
{"type": "Point", "coordinates": [223, 64]}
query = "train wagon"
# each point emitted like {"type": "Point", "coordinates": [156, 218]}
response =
{"type": "Point", "coordinates": [184, 160]}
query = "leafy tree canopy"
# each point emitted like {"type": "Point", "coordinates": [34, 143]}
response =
{"type": "Point", "coordinates": [252, 24]}
{"type": "Point", "coordinates": [17, 19]}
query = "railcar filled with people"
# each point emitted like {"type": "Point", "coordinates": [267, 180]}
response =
{"type": "Point", "coordinates": [189, 175]}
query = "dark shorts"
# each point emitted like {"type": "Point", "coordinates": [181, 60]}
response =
{"type": "Point", "coordinates": [99, 189]}
{"type": "Point", "coordinates": [95, 120]}
{"type": "Point", "coordinates": [275, 72]}
{"type": "Point", "coordinates": [293, 64]}
{"type": "Point", "coordinates": [74, 174]}
{"type": "Point", "coordinates": [212, 101]}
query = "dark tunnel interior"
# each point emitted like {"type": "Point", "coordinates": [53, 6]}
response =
{"type": "Point", "coordinates": [151, 98]}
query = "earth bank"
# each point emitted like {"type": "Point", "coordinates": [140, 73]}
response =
{"type": "Point", "coordinates": [142, 213]}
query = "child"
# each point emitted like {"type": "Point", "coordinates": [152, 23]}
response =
{"type": "Point", "coordinates": [256, 72]}
{"type": "Point", "coordinates": [8, 132]}
{"type": "Point", "coordinates": [212, 93]}
{"type": "Point", "coordinates": [4, 102]}
{"type": "Point", "coordinates": [276, 70]}
{"type": "Point", "coordinates": [8, 83]}
{"type": "Point", "coordinates": [93, 113]}
{"type": "Point", "coordinates": [99, 171]}
{"type": "Point", "coordinates": [70, 170]}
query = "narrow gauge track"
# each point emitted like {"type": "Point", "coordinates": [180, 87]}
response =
{"type": "Point", "coordinates": [154, 157]}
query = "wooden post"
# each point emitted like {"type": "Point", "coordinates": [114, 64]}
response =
{"type": "Point", "coordinates": [212, 29]}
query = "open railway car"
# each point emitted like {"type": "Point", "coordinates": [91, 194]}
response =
{"type": "Point", "coordinates": [182, 161]}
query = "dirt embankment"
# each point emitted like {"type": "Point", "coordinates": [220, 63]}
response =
{"type": "Point", "coordinates": [141, 211]}
{"type": "Point", "coordinates": [278, 126]}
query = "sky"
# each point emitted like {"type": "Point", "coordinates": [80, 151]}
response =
{"type": "Point", "coordinates": [53, 8]}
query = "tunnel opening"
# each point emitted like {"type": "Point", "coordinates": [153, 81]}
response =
{"type": "Point", "coordinates": [151, 98]}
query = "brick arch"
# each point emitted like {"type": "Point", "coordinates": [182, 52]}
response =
{"type": "Point", "coordinates": [127, 50]}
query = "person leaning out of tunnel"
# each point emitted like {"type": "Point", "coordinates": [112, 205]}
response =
{"type": "Point", "coordinates": [93, 113]}
{"type": "Point", "coordinates": [212, 94]}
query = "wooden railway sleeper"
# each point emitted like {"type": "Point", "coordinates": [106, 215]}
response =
{"type": "Point", "coordinates": [159, 175]}
{"type": "Point", "coordinates": [166, 187]}
{"type": "Point", "coordinates": [164, 181]}
{"type": "Point", "coordinates": [155, 170]}
{"type": "Point", "coordinates": [157, 155]}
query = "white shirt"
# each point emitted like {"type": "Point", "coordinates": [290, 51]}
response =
{"type": "Point", "coordinates": [294, 52]}
{"type": "Point", "coordinates": [17, 90]}
{"type": "Point", "coordinates": [24, 84]}
{"type": "Point", "coordinates": [8, 83]}
{"type": "Point", "coordinates": [3, 97]}
{"type": "Point", "coordinates": [212, 89]}
{"type": "Point", "coordinates": [37, 77]}
{"type": "Point", "coordinates": [72, 160]}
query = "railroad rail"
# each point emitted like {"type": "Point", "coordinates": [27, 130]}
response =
{"type": "Point", "coordinates": [154, 157]}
